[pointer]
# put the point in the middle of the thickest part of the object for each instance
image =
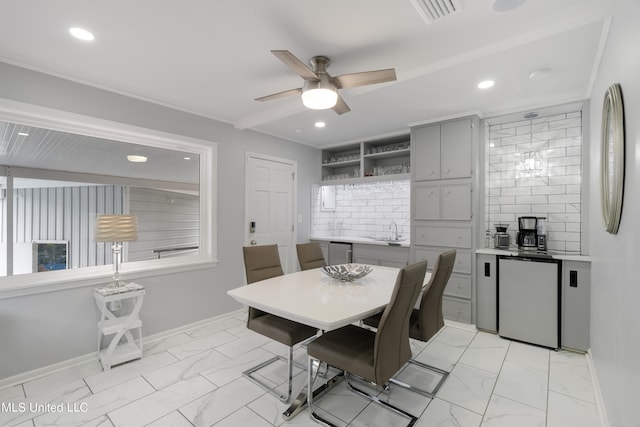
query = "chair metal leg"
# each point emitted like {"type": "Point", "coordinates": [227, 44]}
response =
{"type": "Point", "coordinates": [412, 419]}
{"type": "Point", "coordinates": [312, 373]}
{"type": "Point", "coordinates": [300, 402]}
{"type": "Point", "coordinates": [428, 393]}
{"type": "Point", "coordinates": [311, 376]}
{"type": "Point", "coordinates": [273, 390]}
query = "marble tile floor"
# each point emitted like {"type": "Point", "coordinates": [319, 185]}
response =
{"type": "Point", "coordinates": [194, 379]}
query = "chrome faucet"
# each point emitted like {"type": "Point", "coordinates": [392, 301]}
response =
{"type": "Point", "coordinates": [395, 234]}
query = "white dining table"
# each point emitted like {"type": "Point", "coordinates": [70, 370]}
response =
{"type": "Point", "coordinates": [315, 299]}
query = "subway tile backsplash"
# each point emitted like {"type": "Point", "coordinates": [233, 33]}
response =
{"type": "Point", "coordinates": [550, 188]}
{"type": "Point", "coordinates": [364, 210]}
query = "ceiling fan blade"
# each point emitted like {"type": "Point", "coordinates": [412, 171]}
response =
{"type": "Point", "coordinates": [295, 64]}
{"type": "Point", "coordinates": [289, 92]}
{"type": "Point", "coordinates": [341, 107]}
{"type": "Point", "coordinates": [364, 78]}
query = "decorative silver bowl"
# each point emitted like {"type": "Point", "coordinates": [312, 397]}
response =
{"type": "Point", "coordinates": [346, 272]}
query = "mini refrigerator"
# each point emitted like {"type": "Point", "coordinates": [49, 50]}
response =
{"type": "Point", "coordinates": [529, 299]}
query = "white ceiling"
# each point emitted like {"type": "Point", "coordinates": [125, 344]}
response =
{"type": "Point", "coordinates": [212, 57]}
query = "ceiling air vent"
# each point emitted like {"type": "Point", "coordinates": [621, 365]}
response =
{"type": "Point", "coordinates": [434, 10]}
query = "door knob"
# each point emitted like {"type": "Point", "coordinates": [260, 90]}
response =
{"type": "Point", "coordinates": [253, 243]}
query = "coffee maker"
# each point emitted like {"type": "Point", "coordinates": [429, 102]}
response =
{"type": "Point", "coordinates": [501, 238]}
{"type": "Point", "coordinates": [527, 232]}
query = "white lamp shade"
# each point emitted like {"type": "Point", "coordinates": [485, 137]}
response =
{"type": "Point", "coordinates": [116, 228]}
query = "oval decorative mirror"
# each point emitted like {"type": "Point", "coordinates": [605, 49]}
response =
{"type": "Point", "coordinates": [612, 159]}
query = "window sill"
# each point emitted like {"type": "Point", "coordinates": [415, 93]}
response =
{"type": "Point", "coordinates": [29, 284]}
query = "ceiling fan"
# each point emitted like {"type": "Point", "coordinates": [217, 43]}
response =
{"type": "Point", "coordinates": [320, 90]}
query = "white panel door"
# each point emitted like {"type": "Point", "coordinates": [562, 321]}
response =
{"type": "Point", "coordinates": [269, 206]}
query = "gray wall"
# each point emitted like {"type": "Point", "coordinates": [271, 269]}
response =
{"type": "Point", "coordinates": [43, 329]}
{"type": "Point", "coordinates": [615, 288]}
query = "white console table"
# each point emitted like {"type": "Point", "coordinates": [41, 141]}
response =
{"type": "Point", "coordinates": [119, 318]}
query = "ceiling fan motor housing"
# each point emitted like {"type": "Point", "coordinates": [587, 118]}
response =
{"type": "Point", "coordinates": [319, 64]}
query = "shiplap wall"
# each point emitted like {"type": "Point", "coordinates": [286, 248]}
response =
{"type": "Point", "coordinates": [67, 213]}
{"type": "Point", "coordinates": [165, 219]}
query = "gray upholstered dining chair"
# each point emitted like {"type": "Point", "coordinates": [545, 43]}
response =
{"type": "Point", "coordinates": [427, 320]}
{"type": "Point", "coordinates": [372, 356]}
{"type": "Point", "coordinates": [263, 262]}
{"type": "Point", "coordinates": [310, 255]}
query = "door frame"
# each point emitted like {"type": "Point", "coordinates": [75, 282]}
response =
{"type": "Point", "coordinates": [294, 198]}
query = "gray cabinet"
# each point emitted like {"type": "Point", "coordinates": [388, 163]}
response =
{"type": "Point", "coordinates": [426, 150]}
{"type": "Point", "coordinates": [443, 206]}
{"type": "Point", "coordinates": [486, 293]}
{"type": "Point", "coordinates": [442, 150]}
{"type": "Point", "coordinates": [455, 149]}
{"type": "Point", "coordinates": [576, 305]}
{"type": "Point", "coordinates": [445, 234]}
{"type": "Point", "coordinates": [575, 300]}
{"type": "Point", "coordinates": [442, 200]}
{"type": "Point", "coordinates": [456, 302]}
{"type": "Point", "coordinates": [388, 256]}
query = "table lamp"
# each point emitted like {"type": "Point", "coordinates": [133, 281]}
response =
{"type": "Point", "coordinates": [116, 229]}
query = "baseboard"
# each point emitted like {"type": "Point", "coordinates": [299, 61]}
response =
{"type": "Point", "coordinates": [597, 391]}
{"type": "Point", "coordinates": [47, 370]}
{"type": "Point", "coordinates": [186, 328]}
{"type": "Point", "coordinates": [460, 325]}
{"type": "Point", "coordinates": [76, 361]}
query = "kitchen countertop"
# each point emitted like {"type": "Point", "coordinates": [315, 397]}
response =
{"type": "Point", "coordinates": [360, 240]}
{"type": "Point", "coordinates": [562, 255]}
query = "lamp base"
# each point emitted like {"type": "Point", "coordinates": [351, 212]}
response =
{"type": "Point", "coordinates": [117, 283]}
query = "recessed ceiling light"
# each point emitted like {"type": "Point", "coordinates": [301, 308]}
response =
{"type": "Point", "coordinates": [23, 134]}
{"type": "Point", "coordinates": [507, 5]}
{"type": "Point", "coordinates": [486, 84]}
{"type": "Point", "coordinates": [187, 158]}
{"type": "Point", "coordinates": [320, 124]}
{"type": "Point", "coordinates": [531, 115]}
{"type": "Point", "coordinates": [81, 33]}
{"type": "Point", "coordinates": [136, 159]}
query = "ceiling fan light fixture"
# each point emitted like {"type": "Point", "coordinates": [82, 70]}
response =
{"type": "Point", "coordinates": [319, 95]}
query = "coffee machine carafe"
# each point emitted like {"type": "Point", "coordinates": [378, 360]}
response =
{"type": "Point", "coordinates": [527, 232]}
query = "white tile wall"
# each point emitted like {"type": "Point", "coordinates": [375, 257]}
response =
{"type": "Point", "coordinates": [554, 192]}
{"type": "Point", "coordinates": [364, 210]}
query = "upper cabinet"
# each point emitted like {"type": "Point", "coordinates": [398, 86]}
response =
{"type": "Point", "coordinates": [443, 150]}
{"type": "Point", "coordinates": [443, 206]}
{"type": "Point", "coordinates": [384, 159]}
